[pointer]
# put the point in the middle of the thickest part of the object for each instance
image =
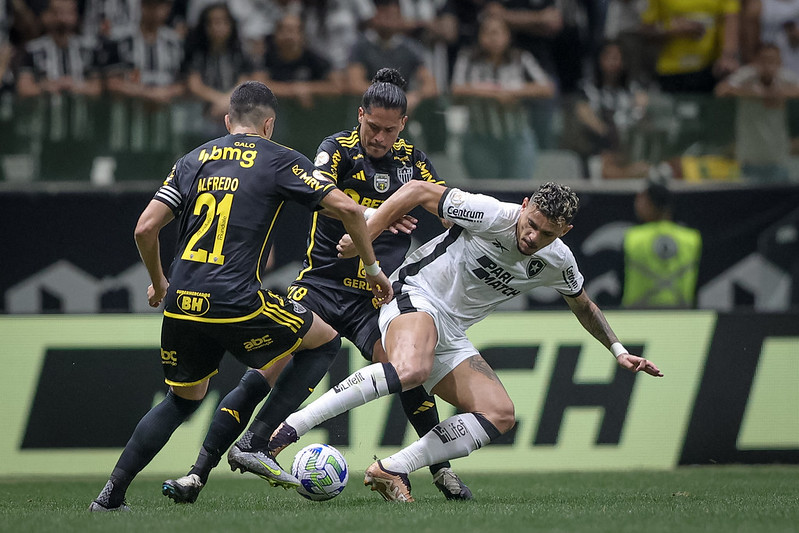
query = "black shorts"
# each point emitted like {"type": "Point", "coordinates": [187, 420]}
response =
{"type": "Point", "coordinates": [191, 350]}
{"type": "Point", "coordinates": [353, 316]}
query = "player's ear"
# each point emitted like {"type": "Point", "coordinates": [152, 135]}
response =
{"type": "Point", "coordinates": [360, 115]}
{"type": "Point", "coordinates": [402, 122]}
{"type": "Point", "coordinates": [566, 230]}
{"type": "Point", "coordinates": [268, 127]}
{"type": "Point", "coordinates": [227, 122]}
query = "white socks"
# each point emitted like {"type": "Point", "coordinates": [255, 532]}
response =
{"type": "Point", "coordinates": [457, 436]}
{"type": "Point", "coordinates": [363, 386]}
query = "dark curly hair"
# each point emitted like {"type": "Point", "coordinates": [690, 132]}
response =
{"type": "Point", "coordinates": [557, 202]}
{"type": "Point", "coordinates": [387, 91]}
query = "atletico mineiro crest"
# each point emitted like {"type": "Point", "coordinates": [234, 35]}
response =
{"type": "Point", "coordinates": [534, 267]}
{"type": "Point", "coordinates": [381, 182]}
{"type": "Point", "coordinates": [405, 174]}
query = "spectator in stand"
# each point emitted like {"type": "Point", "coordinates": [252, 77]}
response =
{"type": "Point", "coordinates": [773, 21]}
{"type": "Point", "coordinates": [60, 68]}
{"type": "Point", "coordinates": [18, 22]}
{"type": "Point", "coordinates": [332, 27]}
{"type": "Point", "coordinates": [383, 44]}
{"type": "Point", "coordinates": [61, 61]}
{"type": "Point", "coordinates": [698, 42]}
{"type": "Point", "coordinates": [293, 71]}
{"type": "Point", "coordinates": [101, 18]}
{"type": "Point", "coordinates": [762, 138]}
{"type": "Point", "coordinates": [255, 19]}
{"type": "Point", "coordinates": [144, 61]}
{"type": "Point", "coordinates": [495, 79]}
{"type": "Point", "coordinates": [432, 23]}
{"type": "Point", "coordinates": [144, 73]}
{"type": "Point", "coordinates": [605, 115]}
{"type": "Point", "coordinates": [300, 78]}
{"type": "Point", "coordinates": [623, 24]}
{"type": "Point", "coordinates": [215, 64]}
{"type": "Point", "coordinates": [535, 24]}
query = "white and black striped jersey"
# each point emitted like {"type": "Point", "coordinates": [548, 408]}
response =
{"type": "Point", "coordinates": [158, 63]}
{"type": "Point", "coordinates": [100, 17]}
{"type": "Point", "coordinates": [47, 61]}
{"type": "Point", "coordinates": [476, 265]}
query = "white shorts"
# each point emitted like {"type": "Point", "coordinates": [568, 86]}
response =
{"type": "Point", "coordinates": [452, 347]}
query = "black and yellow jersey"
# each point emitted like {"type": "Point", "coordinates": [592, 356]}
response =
{"type": "Point", "coordinates": [369, 182]}
{"type": "Point", "coordinates": [228, 194]}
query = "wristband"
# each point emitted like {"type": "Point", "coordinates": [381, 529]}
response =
{"type": "Point", "coordinates": [373, 269]}
{"type": "Point", "coordinates": [368, 212]}
{"type": "Point", "coordinates": [617, 349]}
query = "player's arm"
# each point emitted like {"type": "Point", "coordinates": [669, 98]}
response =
{"type": "Point", "coordinates": [412, 194]}
{"type": "Point", "coordinates": [154, 217]}
{"type": "Point", "coordinates": [594, 322]}
{"type": "Point", "coordinates": [392, 211]}
{"type": "Point", "coordinates": [351, 215]}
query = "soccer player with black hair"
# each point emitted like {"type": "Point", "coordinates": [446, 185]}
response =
{"type": "Point", "coordinates": [370, 163]}
{"type": "Point", "coordinates": [227, 194]}
{"type": "Point", "coordinates": [493, 252]}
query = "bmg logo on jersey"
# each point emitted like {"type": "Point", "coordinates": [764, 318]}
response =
{"type": "Point", "coordinates": [193, 303]}
{"type": "Point", "coordinates": [169, 357]}
{"type": "Point", "coordinates": [246, 158]}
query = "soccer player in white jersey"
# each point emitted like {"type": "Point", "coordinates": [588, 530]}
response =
{"type": "Point", "coordinates": [493, 252]}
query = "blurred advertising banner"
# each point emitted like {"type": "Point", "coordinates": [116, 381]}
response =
{"type": "Point", "coordinates": [75, 387]}
{"type": "Point", "coordinates": [73, 251]}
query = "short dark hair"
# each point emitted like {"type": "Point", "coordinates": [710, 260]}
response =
{"type": "Point", "coordinates": [659, 195]}
{"type": "Point", "coordinates": [557, 202]}
{"type": "Point", "coordinates": [387, 91]}
{"type": "Point", "coordinates": [251, 103]}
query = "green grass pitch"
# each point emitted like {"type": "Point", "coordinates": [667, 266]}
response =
{"type": "Point", "coordinates": [756, 499]}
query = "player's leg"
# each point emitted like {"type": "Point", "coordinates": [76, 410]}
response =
{"type": "Point", "coordinates": [233, 414]}
{"type": "Point", "coordinates": [487, 412]}
{"type": "Point", "coordinates": [309, 365]}
{"type": "Point", "coordinates": [188, 377]}
{"type": "Point", "coordinates": [299, 330]}
{"type": "Point", "coordinates": [230, 418]}
{"type": "Point", "coordinates": [421, 410]}
{"type": "Point", "coordinates": [410, 342]}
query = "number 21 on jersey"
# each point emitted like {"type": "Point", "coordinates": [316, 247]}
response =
{"type": "Point", "coordinates": [213, 211]}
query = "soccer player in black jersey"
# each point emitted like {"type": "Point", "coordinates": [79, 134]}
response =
{"type": "Point", "coordinates": [369, 163]}
{"type": "Point", "coordinates": [227, 194]}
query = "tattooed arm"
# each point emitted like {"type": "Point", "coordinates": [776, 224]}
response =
{"type": "Point", "coordinates": [594, 322]}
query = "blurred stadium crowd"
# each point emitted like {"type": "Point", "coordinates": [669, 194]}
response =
{"type": "Point", "coordinates": [600, 89]}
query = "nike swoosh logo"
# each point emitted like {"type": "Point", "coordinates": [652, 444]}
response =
{"type": "Point", "coordinates": [272, 470]}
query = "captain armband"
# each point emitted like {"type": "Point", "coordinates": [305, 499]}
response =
{"type": "Point", "coordinates": [617, 349]}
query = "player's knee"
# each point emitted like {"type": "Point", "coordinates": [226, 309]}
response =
{"type": "Point", "coordinates": [412, 376]}
{"type": "Point", "coordinates": [503, 416]}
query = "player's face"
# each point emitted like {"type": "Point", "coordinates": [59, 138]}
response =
{"type": "Point", "coordinates": [379, 129]}
{"type": "Point", "coordinates": [535, 231]}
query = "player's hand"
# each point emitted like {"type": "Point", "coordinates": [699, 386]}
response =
{"type": "Point", "coordinates": [405, 224]}
{"type": "Point", "coordinates": [381, 288]}
{"type": "Point", "coordinates": [155, 295]}
{"type": "Point", "coordinates": [634, 363]}
{"type": "Point", "coordinates": [346, 248]}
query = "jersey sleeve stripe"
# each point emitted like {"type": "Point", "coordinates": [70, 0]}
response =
{"type": "Point", "coordinates": [413, 268]}
{"type": "Point", "coordinates": [441, 202]}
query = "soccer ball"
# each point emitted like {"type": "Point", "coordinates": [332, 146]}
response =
{"type": "Point", "coordinates": [321, 470]}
